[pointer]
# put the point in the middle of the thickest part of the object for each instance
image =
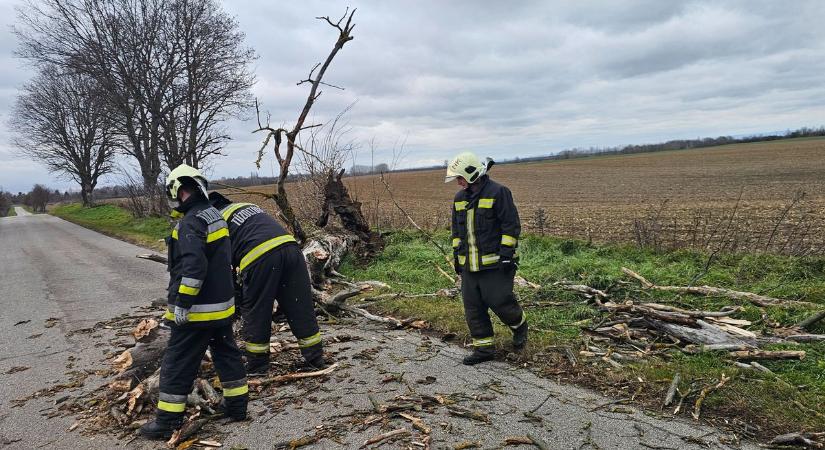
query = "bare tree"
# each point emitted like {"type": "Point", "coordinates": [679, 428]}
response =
{"type": "Point", "coordinates": [62, 121]}
{"type": "Point", "coordinates": [122, 44]}
{"type": "Point", "coordinates": [277, 135]}
{"type": "Point", "coordinates": [171, 70]}
{"type": "Point", "coordinates": [213, 84]}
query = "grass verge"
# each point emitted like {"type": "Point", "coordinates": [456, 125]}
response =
{"type": "Point", "coordinates": [116, 222]}
{"type": "Point", "coordinates": [755, 404]}
{"type": "Point", "coordinates": [12, 212]}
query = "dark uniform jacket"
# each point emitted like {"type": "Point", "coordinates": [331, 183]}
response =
{"type": "Point", "coordinates": [200, 272]}
{"type": "Point", "coordinates": [485, 226]}
{"type": "Point", "coordinates": [253, 232]}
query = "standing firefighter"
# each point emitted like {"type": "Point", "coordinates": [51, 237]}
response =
{"type": "Point", "coordinates": [485, 231]}
{"type": "Point", "coordinates": [201, 306]}
{"type": "Point", "coordinates": [271, 267]}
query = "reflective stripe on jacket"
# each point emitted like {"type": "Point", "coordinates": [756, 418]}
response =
{"type": "Point", "coordinates": [200, 275]}
{"type": "Point", "coordinates": [485, 226]}
{"type": "Point", "coordinates": [253, 233]}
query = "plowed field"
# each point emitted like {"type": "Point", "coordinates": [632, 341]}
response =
{"type": "Point", "coordinates": [667, 199]}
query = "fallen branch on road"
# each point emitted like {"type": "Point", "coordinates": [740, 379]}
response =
{"type": "Point", "coordinates": [153, 257]}
{"type": "Point", "coordinates": [401, 432]}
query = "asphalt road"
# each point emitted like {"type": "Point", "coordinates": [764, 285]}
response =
{"type": "Point", "coordinates": [21, 211]}
{"type": "Point", "coordinates": [58, 280]}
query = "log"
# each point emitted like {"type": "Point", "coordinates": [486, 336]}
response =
{"type": "Point", "coordinates": [664, 316]}
{"type": "Point", "coordinates": [706, 334]}
{"type": "Point", "coordinates": [806, 338]}
{"type": "Point", "coordinates": [756, 299]}
{"type": "Point", "coordinates": [767, 354]}
{"type": "Point", "coordinates": [146, 356]}
{"type": "Point", "coordinates": [716, 348]}
{"type": "Point", "coordinates": [698, 314]}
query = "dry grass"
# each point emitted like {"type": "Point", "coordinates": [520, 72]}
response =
{"type": "Point", "coordinates": [607, 198]}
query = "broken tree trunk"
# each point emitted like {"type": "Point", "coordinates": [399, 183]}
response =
{"type": "Point", "coordinates": [337, 199]}
{"type": "Point", "coordinates": [323, 254]}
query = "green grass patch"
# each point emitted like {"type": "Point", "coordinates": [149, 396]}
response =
{"type": "Point", "coordinates": [12, 212]}
{"type": "Point", "coordinates": [117, 222]}
{"type": "Point", "coordinates": [770, 401]}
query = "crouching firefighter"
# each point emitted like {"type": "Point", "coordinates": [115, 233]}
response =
{"type": "Point", "coordinates": [200, 306]}
{"type": "Point", "coordinates": [485, 232]}
{"type": "Point", "coordinates": [271, 267]}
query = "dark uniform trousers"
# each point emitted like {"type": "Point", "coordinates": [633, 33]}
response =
{"type": "Point", "coordinates": [279, 274]}
{"type": "Point", "coordinates": [181, 362]}
{"type": "Point", "coordinates": [485, 290]}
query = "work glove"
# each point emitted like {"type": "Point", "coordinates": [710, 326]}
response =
{"type": "Point", "coordinates": [507, 263]}
{"type": "Point", "coordinates": [457, 267]}
{"type": "Point", "coordinates": [181, 315]}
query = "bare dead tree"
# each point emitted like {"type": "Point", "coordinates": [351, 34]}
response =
{"type": "Point", "coordinates": [326, 150]}
{"type": "Point", "coordinates": [62, 121]}
{"type": "Point", "coordinates": [278, 135]}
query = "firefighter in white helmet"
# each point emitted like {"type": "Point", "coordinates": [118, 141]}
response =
{"type": "Point", "coordinates": [485, 232]}
{"type": "Point", "coordinates": [201, 306]}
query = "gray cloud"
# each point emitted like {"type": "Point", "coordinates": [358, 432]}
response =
{"type": "Point", "coordinates": [520, 78]}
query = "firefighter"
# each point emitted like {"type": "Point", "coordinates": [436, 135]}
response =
{"type": "Point", "coordinates": [200, 306]}
{"type": "Point", "coordinates": [485, 232]}
{"type": "Point", "coordinates": [271, 267]}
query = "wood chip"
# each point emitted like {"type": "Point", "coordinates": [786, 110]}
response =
{"type": "Point", "coordinates": [144, 328]}
{"type": "Point", "coordinates": [123, 361]}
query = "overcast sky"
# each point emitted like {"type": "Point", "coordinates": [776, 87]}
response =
{"type": "Point", "coordinates": [509, 79]}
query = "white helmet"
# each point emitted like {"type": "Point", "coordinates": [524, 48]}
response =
{"type": "Point", "coordinates": [181, 175]}
{"type": "Point", "coordinates": [467, 165]}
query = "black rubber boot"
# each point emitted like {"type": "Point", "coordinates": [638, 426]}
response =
{"type": "Point", "coordinates": [236, 410]}
{"type": "Point", "coordinates": [314, 357]}
{"type": "Point", "coordinates": [158, 430]}
{"type": "Point", "coordinates": [479, 355]}
{"type": "Point", "coordinates": [257, 366]}
{"type": "Point", "coordinates": [520, 337]}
